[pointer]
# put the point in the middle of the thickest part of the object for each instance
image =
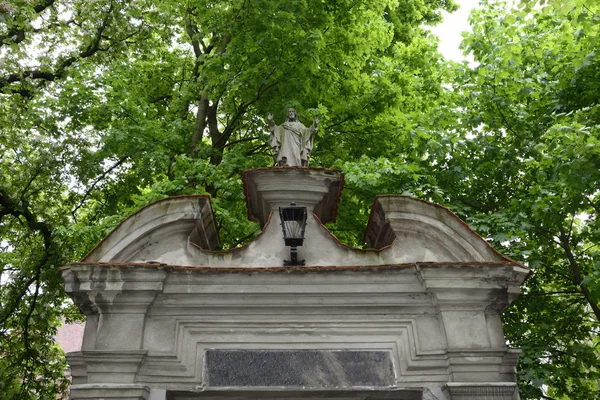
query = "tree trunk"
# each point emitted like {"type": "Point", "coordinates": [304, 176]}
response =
{"type": "Point", "coordinates": [216, 154]}
{"type": "Point", "coordinates": [199, 125]}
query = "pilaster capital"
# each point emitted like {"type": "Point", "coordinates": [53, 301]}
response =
{"type": "Point", "coordinates": [114, 288]}
{"type": "Point", "coordinates": [472, 286]}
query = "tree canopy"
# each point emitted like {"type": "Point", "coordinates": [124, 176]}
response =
{"type": "Point", "coordinates": [108, 105]}
{"type": "Point", "coordinates": [530, 176]}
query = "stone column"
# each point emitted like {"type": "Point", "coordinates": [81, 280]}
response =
{"type": "Point", "coordinates": [470, 299]}
{"type": "Point", "coordinates": [116, 299]}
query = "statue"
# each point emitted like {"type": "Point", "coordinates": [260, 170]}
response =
{"type": "Point", "coordinates": [291, 141]}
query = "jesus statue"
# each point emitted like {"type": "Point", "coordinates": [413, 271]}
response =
{"type": "Point", "coordinates": [291, 141]}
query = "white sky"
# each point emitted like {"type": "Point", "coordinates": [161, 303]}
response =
{"type": "Point", "coordinates": [449, 31]}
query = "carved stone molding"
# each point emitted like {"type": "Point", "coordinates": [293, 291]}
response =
{"type": "Point", "coordinates": [109, 391]}
{"type": "Point", "coordinates": [481, 391]}
{"type": "Point", "coordinates": [170, 316]}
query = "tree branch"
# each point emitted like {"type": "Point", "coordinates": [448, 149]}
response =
{"type": "Point", "coordinates": [17, 35]}
{"type": "Point", "coordinates": [161, 98]}
{"type": "Point", "coordinates": [595, 206]}
{"type": "Point", "coordinates": [535, 294]}
{"type": "Point", "coordinates": [35, 174]}
{"type": "Point", "coordinates": [575, 268]}
{"type": "Point", "coordinates": [192, 32]}
{"type": "Point", "coordinates": [9, 206]}
{"type": "Point", "coordinates": [46, 76]}
{"type": "Point", "coordinates": [94, 184]}
{"type": "Point", "coordinates": [263, 147]}
{"type": "Point", "coordinates": [19, 209]}
{"type": "Point", "coordinates": [248, 139]}
{"type": "Point", "coordinates": [29, 314]}
{"type": "Point", "coordinates": [199, 125]}
{"type": "Point", "coordinates": [223, 138]}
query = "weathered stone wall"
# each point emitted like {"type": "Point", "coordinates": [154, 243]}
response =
{"type": "Point", "coordinates": [415, 318]}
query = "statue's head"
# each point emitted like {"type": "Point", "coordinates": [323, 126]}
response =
{"type": "Point", "coordinates": [291, 114]}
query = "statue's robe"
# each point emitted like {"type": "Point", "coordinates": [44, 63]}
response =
{"type": "Point", "coordinates": [293, 141]}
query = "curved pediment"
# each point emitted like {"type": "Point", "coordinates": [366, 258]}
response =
{"type": "Point", "coordinates": [401, 230]}
{"type": "Point", "coordinates": [413, 225]}
{"type": "Point", "coordinates": [163, 226]}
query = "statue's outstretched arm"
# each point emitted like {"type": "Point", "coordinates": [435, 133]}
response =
{"type": "Point", "coordinates": [274, 140]}
{"type": "Point", "coordinates": [271, 121]}
{"type": "Point", "coordinates": [315, 126]}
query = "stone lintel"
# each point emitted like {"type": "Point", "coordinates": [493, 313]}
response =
{"type": "Point", "coordinates": [402, 309]}
{"type": "Point", "coordinates": [412, 285]}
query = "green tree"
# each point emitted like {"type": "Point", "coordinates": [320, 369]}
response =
{"type": "Point", "coordinates": [108, 105]}
{"type": "Point", "coordinates": [524, 170]}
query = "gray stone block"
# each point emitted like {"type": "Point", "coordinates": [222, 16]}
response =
{"type": "Point", "coordinates": [298, 368]}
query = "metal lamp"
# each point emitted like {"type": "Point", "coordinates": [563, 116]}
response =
{"type": "Point", "coordinates": [293, 224]}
